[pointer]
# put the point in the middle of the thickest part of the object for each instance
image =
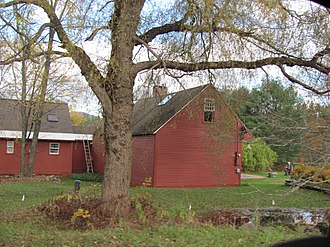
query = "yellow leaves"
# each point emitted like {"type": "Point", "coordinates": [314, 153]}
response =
{"type": "Point", "coordinates": [76, 118]}
{"type": "Point", "coordinates": [80, 213]}
{"type": "Point", "coordinates": [147, 182]}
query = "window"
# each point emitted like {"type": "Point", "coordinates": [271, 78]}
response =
{"type": "Point", "coordinates": [209, 108]}
{"type": "Point", "coordinates": [166, 99]}
{"type": "Point", "coordinates": [54, 148]}
{"type": "Point", "coordinates": [10, 147]}
{"type": "Point", "coordinates": [52, 118]}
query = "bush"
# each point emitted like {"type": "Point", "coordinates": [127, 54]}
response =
{"type": "Point", "coordinates": [92, 177]}
{"type": "Point", "coordinates": [257, 156]}
{"type": "Point", "coordinates": [71, 208]}
{"type": "Point", "coordinates": [313, 173]}
{"type": "Point", "coordinates": [81, 213]}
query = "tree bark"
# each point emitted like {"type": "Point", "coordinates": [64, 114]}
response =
{"type": "Point", "coordinates": [119, 83]}
{"type": "Point", "coordinates": [24, 115]}
{"type": "Point", "coordinates": [117, 167]}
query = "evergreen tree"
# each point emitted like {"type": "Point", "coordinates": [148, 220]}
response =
{"type": "Point", "coordinates": [274, 113]}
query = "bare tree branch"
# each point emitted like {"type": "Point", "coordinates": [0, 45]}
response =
{"type": "Point", "coordinates": [31, 56]}
{"type": "Point", "coordinates": [306, 86]}
{"type": "Point", "coordinates": [87, 67]}
{"type": "Point", "coordinates": [190, 67]}
{"type": "Point", "coordinates": [95, 32]}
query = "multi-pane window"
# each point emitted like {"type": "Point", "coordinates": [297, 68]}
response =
{"type": "Point", "coordinates": [209, 109]}
{"type": "Point", "coordinates": [10, 147]}
{"type": "Point", "coordinates": [54, 148]}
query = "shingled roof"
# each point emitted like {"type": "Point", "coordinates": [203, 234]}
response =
{"type": "Point", "coordinates": [56, 117]}
{"type": "Point", "coordinates": [150, 114]}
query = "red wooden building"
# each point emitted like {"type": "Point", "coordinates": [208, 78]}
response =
{"type": "Point", "coordinates": [60, 149]}
{"type": "Point", "coordinates": [189, 138]}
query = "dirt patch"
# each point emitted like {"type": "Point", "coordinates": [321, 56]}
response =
{"type": "Point", "coordinates": [251, 176]}
{"type": "Point", "coordinates": [17, 179]}
{"type": "Point", "coordinates": [224, 217]}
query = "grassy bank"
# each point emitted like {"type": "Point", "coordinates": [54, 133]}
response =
{"type": "Point", "coordinates": [19, 227]}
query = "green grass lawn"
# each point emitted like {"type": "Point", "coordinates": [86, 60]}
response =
{"type": "Point", "coordinates": [19, 228]}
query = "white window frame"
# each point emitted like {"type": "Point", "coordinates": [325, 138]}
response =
{"type": "Point", "coordinates": [54, 148]}
{"type": "Point", "coordinates": [10, 147]}
{"type": "Point", "coordinates": [209, 108]}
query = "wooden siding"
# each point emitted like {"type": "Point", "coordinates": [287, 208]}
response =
{"type": "Point", "coordinates": [98, 153]}
{"type": "Point", "coordinates": [45, 163]}
{"type": "Point", "coordinates": [78, 158]}
{"type": "Point", "coordinates": [191, 153]}
{"type": "Point", "coordinates": [142, 158]}
{"type": "Point", "coordinates": [9, 163]}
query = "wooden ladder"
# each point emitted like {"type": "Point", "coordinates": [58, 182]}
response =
{"type": "Point", "coordinates": [88, 156]}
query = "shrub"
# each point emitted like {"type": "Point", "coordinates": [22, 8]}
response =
{"type": "Point", "coordinates": [314, 173]}
{"type": "Point", "coordinates": [92, 177]}
{"type": "Point", "coordinates": [82, 213]}
{"type": "Point", "coordinates": [257, 156]}
{"type": "Point", "coordinates": [326, 174]}
{"type": "Point", "coordinates": [74, 209]}
{"type": "Point", "coordinates": [303, 172]}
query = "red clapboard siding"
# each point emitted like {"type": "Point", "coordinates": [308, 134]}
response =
{"type": "Point", "coordinates": [9, 163]}
{"type": "Point", "coordinates": [45, 163]}
{"type": "Point", "coordinates": [142, 158]}
{"type": "Point", "coordinates": [60, 164]}
{"type": "Point", "coordinates": [78, 158]}
{"type": "Point", "coordinates": [98, 153]}
{"type": "Point", "coordinates": [191, 153]}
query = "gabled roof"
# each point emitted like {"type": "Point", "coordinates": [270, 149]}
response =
{"type": "Point", "coordinates": [152, 113]}
{"type": "Point", "coordinates": [84, 129]}
{"type": "Point", "coordinates": [56, 117]}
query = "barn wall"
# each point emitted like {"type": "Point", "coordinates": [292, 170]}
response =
{"type": "Point", "coordinates": [191, 153]}
{"type": "Point", "coordinates": [54, 164]}
{"type": "Point", "coordinates": [9, 163]}
{"type": "Point", "coordinates": [98, 153]}
{"type": "Point", "coordinates": [45, 163]}
{"type": "Point", "coordinates": [78, 158]}
{"type": "Point", "coordinates": [142, 158]}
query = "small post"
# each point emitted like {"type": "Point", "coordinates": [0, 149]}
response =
{"type": "Point", "coordinates": [76, 186]}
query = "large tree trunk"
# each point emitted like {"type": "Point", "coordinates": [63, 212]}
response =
{"type": "Point", "coordinates": [117, 170]}
{"type": "Point", "coordinates": [117, 121]}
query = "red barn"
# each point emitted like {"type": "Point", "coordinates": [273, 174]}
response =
{"type": "Point", "coordinates": [60, 145]}
{"type": "Point", "coordinates": [189, 138]}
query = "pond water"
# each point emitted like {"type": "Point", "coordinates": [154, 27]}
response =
{"type": "Point", "coordinates": [268, 216]}
{"type": "Point", "coordinates": [286, 215]}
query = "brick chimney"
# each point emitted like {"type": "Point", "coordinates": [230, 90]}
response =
{"type": "Point", "coordinates": [159, 90]}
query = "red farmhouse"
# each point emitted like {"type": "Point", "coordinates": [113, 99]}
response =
{"type": "Point", "coordinates": [186, 139]}
{"type": "Point", "coordinates": [60, 149]}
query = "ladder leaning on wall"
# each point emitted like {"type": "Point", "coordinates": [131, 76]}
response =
{"type": "Point", "coordinates": [88, 156]}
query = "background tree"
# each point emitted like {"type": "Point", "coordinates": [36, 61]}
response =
{"type": "Point", "coordinates": [84, 119]}
{"type": "Point", "coordinates": [189, 36]}
{"type": "Point", "coordinates": [274, 113]}
{"type": "Point", "coordinates": [31, 77]}
{"type": "Point", "coordinates": [317, 135]}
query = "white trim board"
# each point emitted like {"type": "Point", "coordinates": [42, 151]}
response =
{"type": "Point", "coordinates": [12, 134]}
